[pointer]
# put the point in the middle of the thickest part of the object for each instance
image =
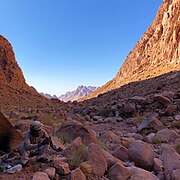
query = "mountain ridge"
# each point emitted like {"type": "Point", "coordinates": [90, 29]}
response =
{"type": "Point", "coordinates": [156, 53]}
{"type": "Point", "coordinates": [80, 92]}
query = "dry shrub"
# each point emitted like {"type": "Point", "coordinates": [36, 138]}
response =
{"type": "Point", "coordinates": [177, 147]}
{"type": "Point", "coordinates": [157, 140]}
{"type": "Point", "coordinates": [176, 124]}
{"type": "Point", "coordinates": [101, 144]}
{"type": "Point", "coordinates": [77, 157]}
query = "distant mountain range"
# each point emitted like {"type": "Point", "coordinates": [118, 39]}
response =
{"type": "Point", "coordinates": [80, 92]}
{"type": "Point", "coordinates": [48, 96]}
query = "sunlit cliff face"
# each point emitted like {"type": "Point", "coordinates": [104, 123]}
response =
{"type": "Point", "coordinates": [157, 52]}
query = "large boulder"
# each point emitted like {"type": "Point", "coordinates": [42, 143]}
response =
{"type": "Point", "coordinates": [110, 159]}
{"type": "Point", "coordinates": [97, 160]}
{"type": "Point", "coordinates": [138, 173]}
{"type": "Point", "coordinates": [150, 123]}
{"type": "Point", "coordinates": [74, 129]}
{"type": "Point", "coordinates": [9, 137]}
{"type": "Point", "coordinates": [171, 162]}
{"type": "Point", "coordinates": [167, 135]}
{"type": "Point", "coordinates": [141, 154]}
{"type": "Point", "coordinates": [119, 172]}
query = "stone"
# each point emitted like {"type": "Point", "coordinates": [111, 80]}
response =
{"type": "Point", "coordinates": [40, 176]}
{"type": "Point", "coordinates": [177, 117]}
{"type": "Point", "coordinates": [142, 154]}
{"type": "Point", "coordinates": [108, 136]}
{"type": "Point", "coordinates": [77, 174]}
{"type": "Point", "coordinates": [110, 159]}
{"type": "Point", "coordinates": [167, 135]}
{"type": "Point", "coordinates": [86, 168]}
{"type": "Point", "coordinates": [170, 109]}
{"type": "Point", "coordinates": [171, 161]}
{"type": "Point", "coordinates": [118, 172]}
{"type": "Point", "coordinates": [121, 153]}
{"type": "Point", "coordinates": [72, 147]}
{"type": "Point", "coordinates": [61, 167]}
{"type": "Point", "coordinates": [96, 160]}
{"type": "Point", "coordinates": [74, 129]}
{"type": "Point", "coordinates": [50, 171]}
{"type": "Point", "coordinates": [138, 173]}
{"type": "Point", "coordinates": [162, 99]}
{"type": "Point", "coordinates": [130, 108]}
{"type": "Point", "coordinates": [57, 144]}
{"type": "Point", "coordinates": [150, 123]}
{"type": "Point", "coordinates": [158, 165]}
{"type": "Point", "coordinates": [149, 137]}
{"type": "Point", "coordinates": [126, 141]}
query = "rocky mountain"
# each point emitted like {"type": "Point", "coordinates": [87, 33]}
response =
{"type": "Point", "coordinates": [80, 92]}
{"type": "Point", "coordinates": [14, 91]}
{"type": "Point", "coordinates": [156, 53]}
{"type": "Point", "coordinates": [48, 96]}
{"type": "Point", "coordinates": [10, 72]}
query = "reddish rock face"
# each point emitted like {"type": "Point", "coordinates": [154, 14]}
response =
{"type": "Point", "coordinates": [10, 72]}
{"type": "Point", "coordinates": [13, 87]}
{"type": "Point", "coordinates": [9, 137]}
{"type": "Point", "coordinates": [157, 52]}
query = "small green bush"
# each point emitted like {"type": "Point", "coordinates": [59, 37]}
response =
{"type": "Point", "coordinates": [77, 157]}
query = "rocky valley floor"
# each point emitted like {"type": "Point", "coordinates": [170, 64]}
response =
{"type": "Point", "coordinates": [129, 133]}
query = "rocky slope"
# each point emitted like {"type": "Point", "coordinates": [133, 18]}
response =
{"type": "Point", "coordinates": [80, 92]}
{"type": "Point", "coordinates": [10, 72]}
{"type": "Point", "coordinates": [157, 52]}
{"type": "Point", "coordinates": [15, 93]}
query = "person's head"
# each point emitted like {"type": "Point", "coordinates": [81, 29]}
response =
{"type": "Point", "coordinates": [36, 127]}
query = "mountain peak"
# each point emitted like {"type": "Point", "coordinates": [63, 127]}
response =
{"type": "Point", "coordinates": [10, 72]}
{"type": "Point", "coordinates": [80, 92]}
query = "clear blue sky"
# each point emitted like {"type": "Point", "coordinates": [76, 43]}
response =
{"type": "Point", "coordinates": [60, 44]}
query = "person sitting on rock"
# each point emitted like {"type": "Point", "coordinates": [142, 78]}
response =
{"type": "Point", "coordinates": [36, 143]}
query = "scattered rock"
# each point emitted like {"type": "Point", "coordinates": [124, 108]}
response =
{"type": "Point", "coordinates": [118, 172]}
{"type": "Point", "coordinates": [138, 173]}
{"type": "Point", "coordinates": [72, 147]}
{"type": "Point", "coordinates": [121, 153]}
{"type": "Point", "coordinates": [171, 162]}
{"type": "Point", "coordinates": [40, 176]}
{"type": "Point", "coordinates": [50, 171]}
{"type": "Point", "coordinates": [97, 160]}
{"type": "Point", "coordinates": [110, 159]}
{"type": "Point", "coordinates": [142, 154]}
{"type": "Point", "coordinates": [77, 174]}
{"type": "Point", "coordinates": [162, 99]}
{"type": "Point", "coordinates": [167, 135]}
{"type": "Point", "coordinates": [74, 129]}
